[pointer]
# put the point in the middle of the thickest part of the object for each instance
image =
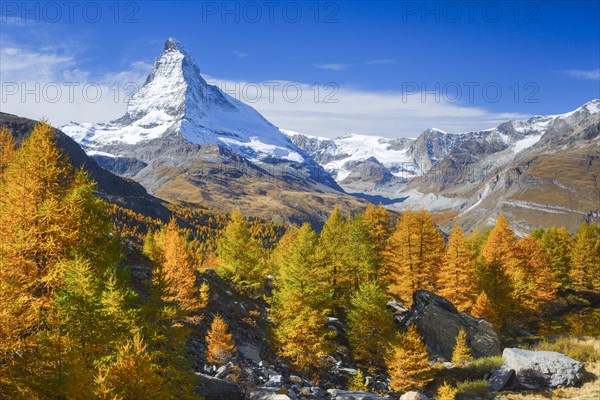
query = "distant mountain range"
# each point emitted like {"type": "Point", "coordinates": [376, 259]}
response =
{"type": "Point", "coordinates": [187, 141]}
{"type": "Point", "coordinates": [542, 171]}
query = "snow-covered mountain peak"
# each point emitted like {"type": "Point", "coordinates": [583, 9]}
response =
{"type": "Point", "coordinates": [175, 98]}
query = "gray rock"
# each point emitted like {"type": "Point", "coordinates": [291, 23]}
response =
{"type": "Point", "coordinates": [500, 378]}
{"type": "Point", "coordinates": [542, 369]}
{"type": "Point", "coordinates": [439, 322]}
{"type": "Point", "coordinates": [275, 381]}
{"type": "Point", "coordinates": [413, 396]}
{"type": "Point", "coordinates": [212, 388]}
{"type": "Point", "coordinates": [337, 394]}
{"type": "Point", "coordinates": [249, 352]}
{"type": "Point", "coordinates": [224, 370]}
{"type": "Point", "coordinates": [267, 394]}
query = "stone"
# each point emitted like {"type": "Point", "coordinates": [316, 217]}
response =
{"type": "Point", "coordinates": [413, 396]}
{"type": "Point", "coordinates": [500, 378]}
{"type": "Point", "coordinates": [224, 370]}
{"type": "Point", "coordinates": [268, 394]}
{"type": "Point", "coordinates": [249, 352]}
{"type": "Point", "coordinates": [212, 388]}
{"type": "Point", "coordinates": [337, 394]}
{"type": "Point", "coordinates": [439, 322]}
{"type": "Point", "coordinates": [542, 369]}
{"type": "Point", "coordinates": [295, 379]}
{"type": "Point", "coordinates": [275, 381]}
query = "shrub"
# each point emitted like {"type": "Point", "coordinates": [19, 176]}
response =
{"type": "Point", "coordinates": [472, 389]}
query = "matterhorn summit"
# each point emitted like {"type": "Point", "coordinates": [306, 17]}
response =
{"type": "Point", "coordinates": [175, 99]}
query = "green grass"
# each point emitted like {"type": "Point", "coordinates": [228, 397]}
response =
{"type": "Point", "coordinates": [472, 389]}
{"type": "Point", "coordinates": [479, 367]}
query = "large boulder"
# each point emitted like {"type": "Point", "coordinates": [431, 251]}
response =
{"type": "Point", "coordinates": [212, 388]}
{"type": "Point", "coordinates": [337, 394]}
{"type": "Point", "coordinates": [542, 369]}
{"type": "Point", "coordinates": [438, 321]}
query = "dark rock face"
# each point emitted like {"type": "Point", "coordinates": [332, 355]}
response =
{"type": "Point", "coordinates": [439, 322]}
{"type": "Point", "coordinates": [213, 388]}
{"type": "Point", "coordinates": [542, 369]}
{"type": "Point", "coordinates": [500, 378]}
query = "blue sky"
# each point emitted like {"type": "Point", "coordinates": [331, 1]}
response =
{"type": "Point", "coordinates": [374, 58]}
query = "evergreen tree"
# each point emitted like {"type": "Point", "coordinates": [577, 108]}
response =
{"type": "Point", "coordinates": [462, 353]}
{"type": "Point", "coordinates": [239, 255]}
{"type": "Point", "coordinates": [369, 338]}
{"type": "Point", "coordinates": [408, 363]}
{"type": "Point", "coordinates": [456, 277]}
{"type": "Point", "coordinates": [220, 342]}
{"type": "Point", "coordinates": [585, 258]}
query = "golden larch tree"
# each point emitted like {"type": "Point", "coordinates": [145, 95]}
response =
{"type": "Point", "coordinates": [414, 254]}
{"type": "Point", "coordinates": [461, 354]}
{"type": "Point", "coordinates": [585, 258]}
{"type": "Point", "coordinates": [457, 279]}
{"type": "Point", "coordinates": [369, 338]}
{"type": "Point", "coordinates": [219, 341]}
{"type": "Point", "coordinates": [408, 363]}
{"type": "Point", "coordinates": [532, 279]}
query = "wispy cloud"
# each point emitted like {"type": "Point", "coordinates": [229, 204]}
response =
{"type": "Point", "coordinates": [240, 54]}
{"type": "Point", "coordinates": [342, 110]}
{"type": "Point", "coordinates": [382, 61]}
{"type": "Point", "coordinates": [592, 74]}
{"type": "Point", "coordinates": [332, 67]}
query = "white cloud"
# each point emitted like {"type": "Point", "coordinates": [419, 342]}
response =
{"type": "Point", "coordinates": [32, 78]}
{"type": "Point", "coordinates": [332, 67]}
{"type": "Point", "coordinates": [333, 113]}
{"type": "Point", "coordinates": [382, 61]}
{"type": "Point", "coordinates": [47, 82]}
{"type": "Point", "coordinates": [592, 74]}
{"type": "Point", "coordinates": [240, 54]}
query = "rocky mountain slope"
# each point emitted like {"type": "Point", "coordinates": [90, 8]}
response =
{"type": "Point", "coordinates": [121, 191]}
{"type": "Point", "coordinates": [543, 171]}
{"type": "Point", "coordinates": [187, 141]}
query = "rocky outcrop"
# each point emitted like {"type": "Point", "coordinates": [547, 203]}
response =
{"type": "Point", "coordinates": [500, 378]}
{"type": "Point", "coordinates": [542, 369]}
{"type": "Point", "coordinates": [351, 395]}
{"type": "Point", "coordinates": [213, 388]}
{"type": "Point", "coordinates": [438, 321]}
